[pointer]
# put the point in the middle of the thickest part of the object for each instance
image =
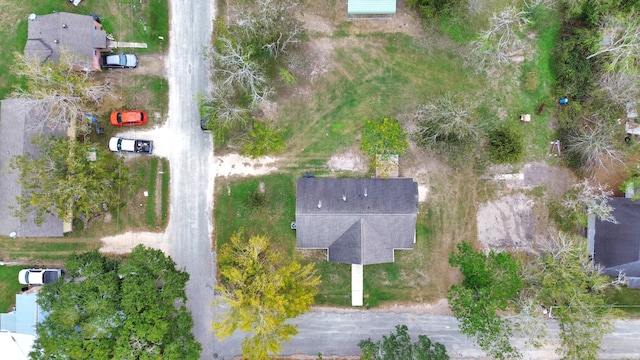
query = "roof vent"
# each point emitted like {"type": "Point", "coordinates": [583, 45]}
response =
{"type": "Point", "coordinates": [55, 41]}
{"type": "Point", "coordinates": [365, 192]}
{"type": "Point", "coordinates": [344, 197]}
{"type": "Point", "coordinates": [319, 204]}
{"type": "Point", "coordinates": [64, 26]}
{"type": "Point", "coordinates": [32, 16]}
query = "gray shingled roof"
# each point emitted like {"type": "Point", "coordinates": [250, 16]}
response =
{"type": "Point", "coordinates": [359, 221]}
{"type": "Point", "coordinates": [15, 139]}
{"type": "Point", "coordinates": [617, 246]}
{"type": "Point", "coordinates": [78, 34]}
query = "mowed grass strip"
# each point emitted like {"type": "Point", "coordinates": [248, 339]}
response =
{"type": "Point", "coordinates": [150, 209]}
{"type": "Point", "coordinates": [165, 192]}
{"type": "Point", "coordinates": [9, 286]}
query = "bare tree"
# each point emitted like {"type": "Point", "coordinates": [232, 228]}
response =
{"type": "Point", "coordinates": [237, 69]}
{"type": "Point", "coordinates": [593, 144]}
{"type": "Point", "coordinates": [445, 120]}
{"type": "Point", "coordinates": [621, 87]}
{"type": "Point", "coordinates": [624, 34]}
{"type": "Point", "coordinates": [59, 91]}
{"type": "Point", "coordinates": [504, 36]}
{"type": "Point", "coordinates": [271, 24]}
{"type": "Point", "coordinates": [594, 198]}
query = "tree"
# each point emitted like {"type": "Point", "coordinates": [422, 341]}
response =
{"type": "Point", "coordinates": [399, 346]}
{"type": "Point", "coordinates": [105, 309]}
{"type": "Point", "coordinates": [566, 281]}
{"type": "Point", "coordinates": [623, 30]}
{"type": "Point", "coordinates": [590, 199]}
{"type": "Point", "coordinates": [262, 291]}
{"type": "Point", "coordinates": [64, 181]}
{"type": "Point", "coordinates": [384, 137]}
{"type": "Point", "coordinates": [59, 91]}
{"type": "Point", "coordinates": [504, 36]}
{"type": "Point", "coordinates": [491, 283]}
{"type": "Point", "coordinates": [590, 147]}
{"type": "Point", "coordinates": [264, 138]}
{"type": "Point", "coordinates": [505, 144]}
{"type": "Point", "coordinates": [446, 124]}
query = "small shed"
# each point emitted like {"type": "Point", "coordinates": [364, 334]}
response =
{"type": "Point", "coordinates": [356, 8]}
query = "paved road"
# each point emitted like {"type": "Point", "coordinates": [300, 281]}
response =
{"type": "Point", "coordinates": [191, 159]}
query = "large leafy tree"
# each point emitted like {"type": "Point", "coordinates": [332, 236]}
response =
{"type": "Point", "coordinates": [262, 291]}
{"type": "Point", "coordinates": [491, 282]}
{"type": "Point", "coordinates": [565, 280]}
{"type": "Point", "coordinates": [399, 346]}
{"type": "Point", "coordinates": [106, 309]}
{"type": "Point", "coordinates": [65, 180]}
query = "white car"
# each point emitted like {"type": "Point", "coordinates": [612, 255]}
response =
{"type": "Point", "coordinates": [38, 276]}
{"type": "Point", "coordinates": [120, 61]}
{"type": "Point", "coordinates": [117, 144]}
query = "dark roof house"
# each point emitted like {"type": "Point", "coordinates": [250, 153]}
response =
{"type": "Point", "coordinates": [617, 246]}
{"type": "Point", "coordinates": [359, 221]}
{"type": "Point", "coordinates": [79, 35]}
{"type": "Point", "coordinates": [15, 139]}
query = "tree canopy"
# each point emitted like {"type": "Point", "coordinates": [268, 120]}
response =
{"type": "Point", "coordinates": [564, 279]}
{"type": "Point", "coordinates": [491, 282]}
{"type": "Point", "coordinates": [384, 137]}
{"type": "Point", "coordinates": [107, 309]}
{"type": "Point", "coordinates": [262, 291]}
{"type": "Point", "coordinates": [399, 346]}
{"type": "Point", "coordinates": [64, 180]}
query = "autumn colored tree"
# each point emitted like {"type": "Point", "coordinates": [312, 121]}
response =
{"type": "Point", "coordinates": [262, 292]}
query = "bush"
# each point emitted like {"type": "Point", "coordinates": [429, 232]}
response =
{"type": "Point", "coordinates": [505, 144]}
{"type": "Point", "coordinates": [264, 138]}
{"type": "Point", "coordinates": [384, 137]}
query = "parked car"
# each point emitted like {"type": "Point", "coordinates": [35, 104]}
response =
{"type": "Point", "coordinates": [38, 276]}
{"type": "Point", "coordinates": [128, 117]}
{"type": "Point", "coordinates": [119, 61]}
{"type": "Point", "coordinates": [138, 146]}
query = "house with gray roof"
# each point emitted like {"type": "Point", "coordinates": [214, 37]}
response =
{"type": "Point", "coordinates": [82, 36]}
{"type": "Point", "coordinates": [359, 221]}
{"type": "Point", "coordinates": [617, 246]}
{"type": "Point", "coordinates": [17, 130]}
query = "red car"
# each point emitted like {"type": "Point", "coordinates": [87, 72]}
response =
{"type": "Point", "coordinates": [128, 117]}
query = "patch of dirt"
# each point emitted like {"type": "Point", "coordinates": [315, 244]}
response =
{"type": "Point", "coordinates": [351, 160]}
{"type": "Point", "coordinates": [514, 219]}
{"type": "Point", "coordinates": [235, 164]}
{"type": "Point", "coordinates": [124, 243]}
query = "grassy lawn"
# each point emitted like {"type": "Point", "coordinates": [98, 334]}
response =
{"type": "Point", "coordinates": [373, 75]}
{"type": "Point", "coordinates": [9, 286]}
{"type": "Point", "coordinates": [626, 300]}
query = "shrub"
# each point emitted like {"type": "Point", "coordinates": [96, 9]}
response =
{"type": "Point", "coordinates": [264, 138]}
{"type": "Point", "coordinates": [505, 144]}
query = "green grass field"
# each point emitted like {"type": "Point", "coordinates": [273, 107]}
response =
{"type": "Point", "coordinates": [9, 286]}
